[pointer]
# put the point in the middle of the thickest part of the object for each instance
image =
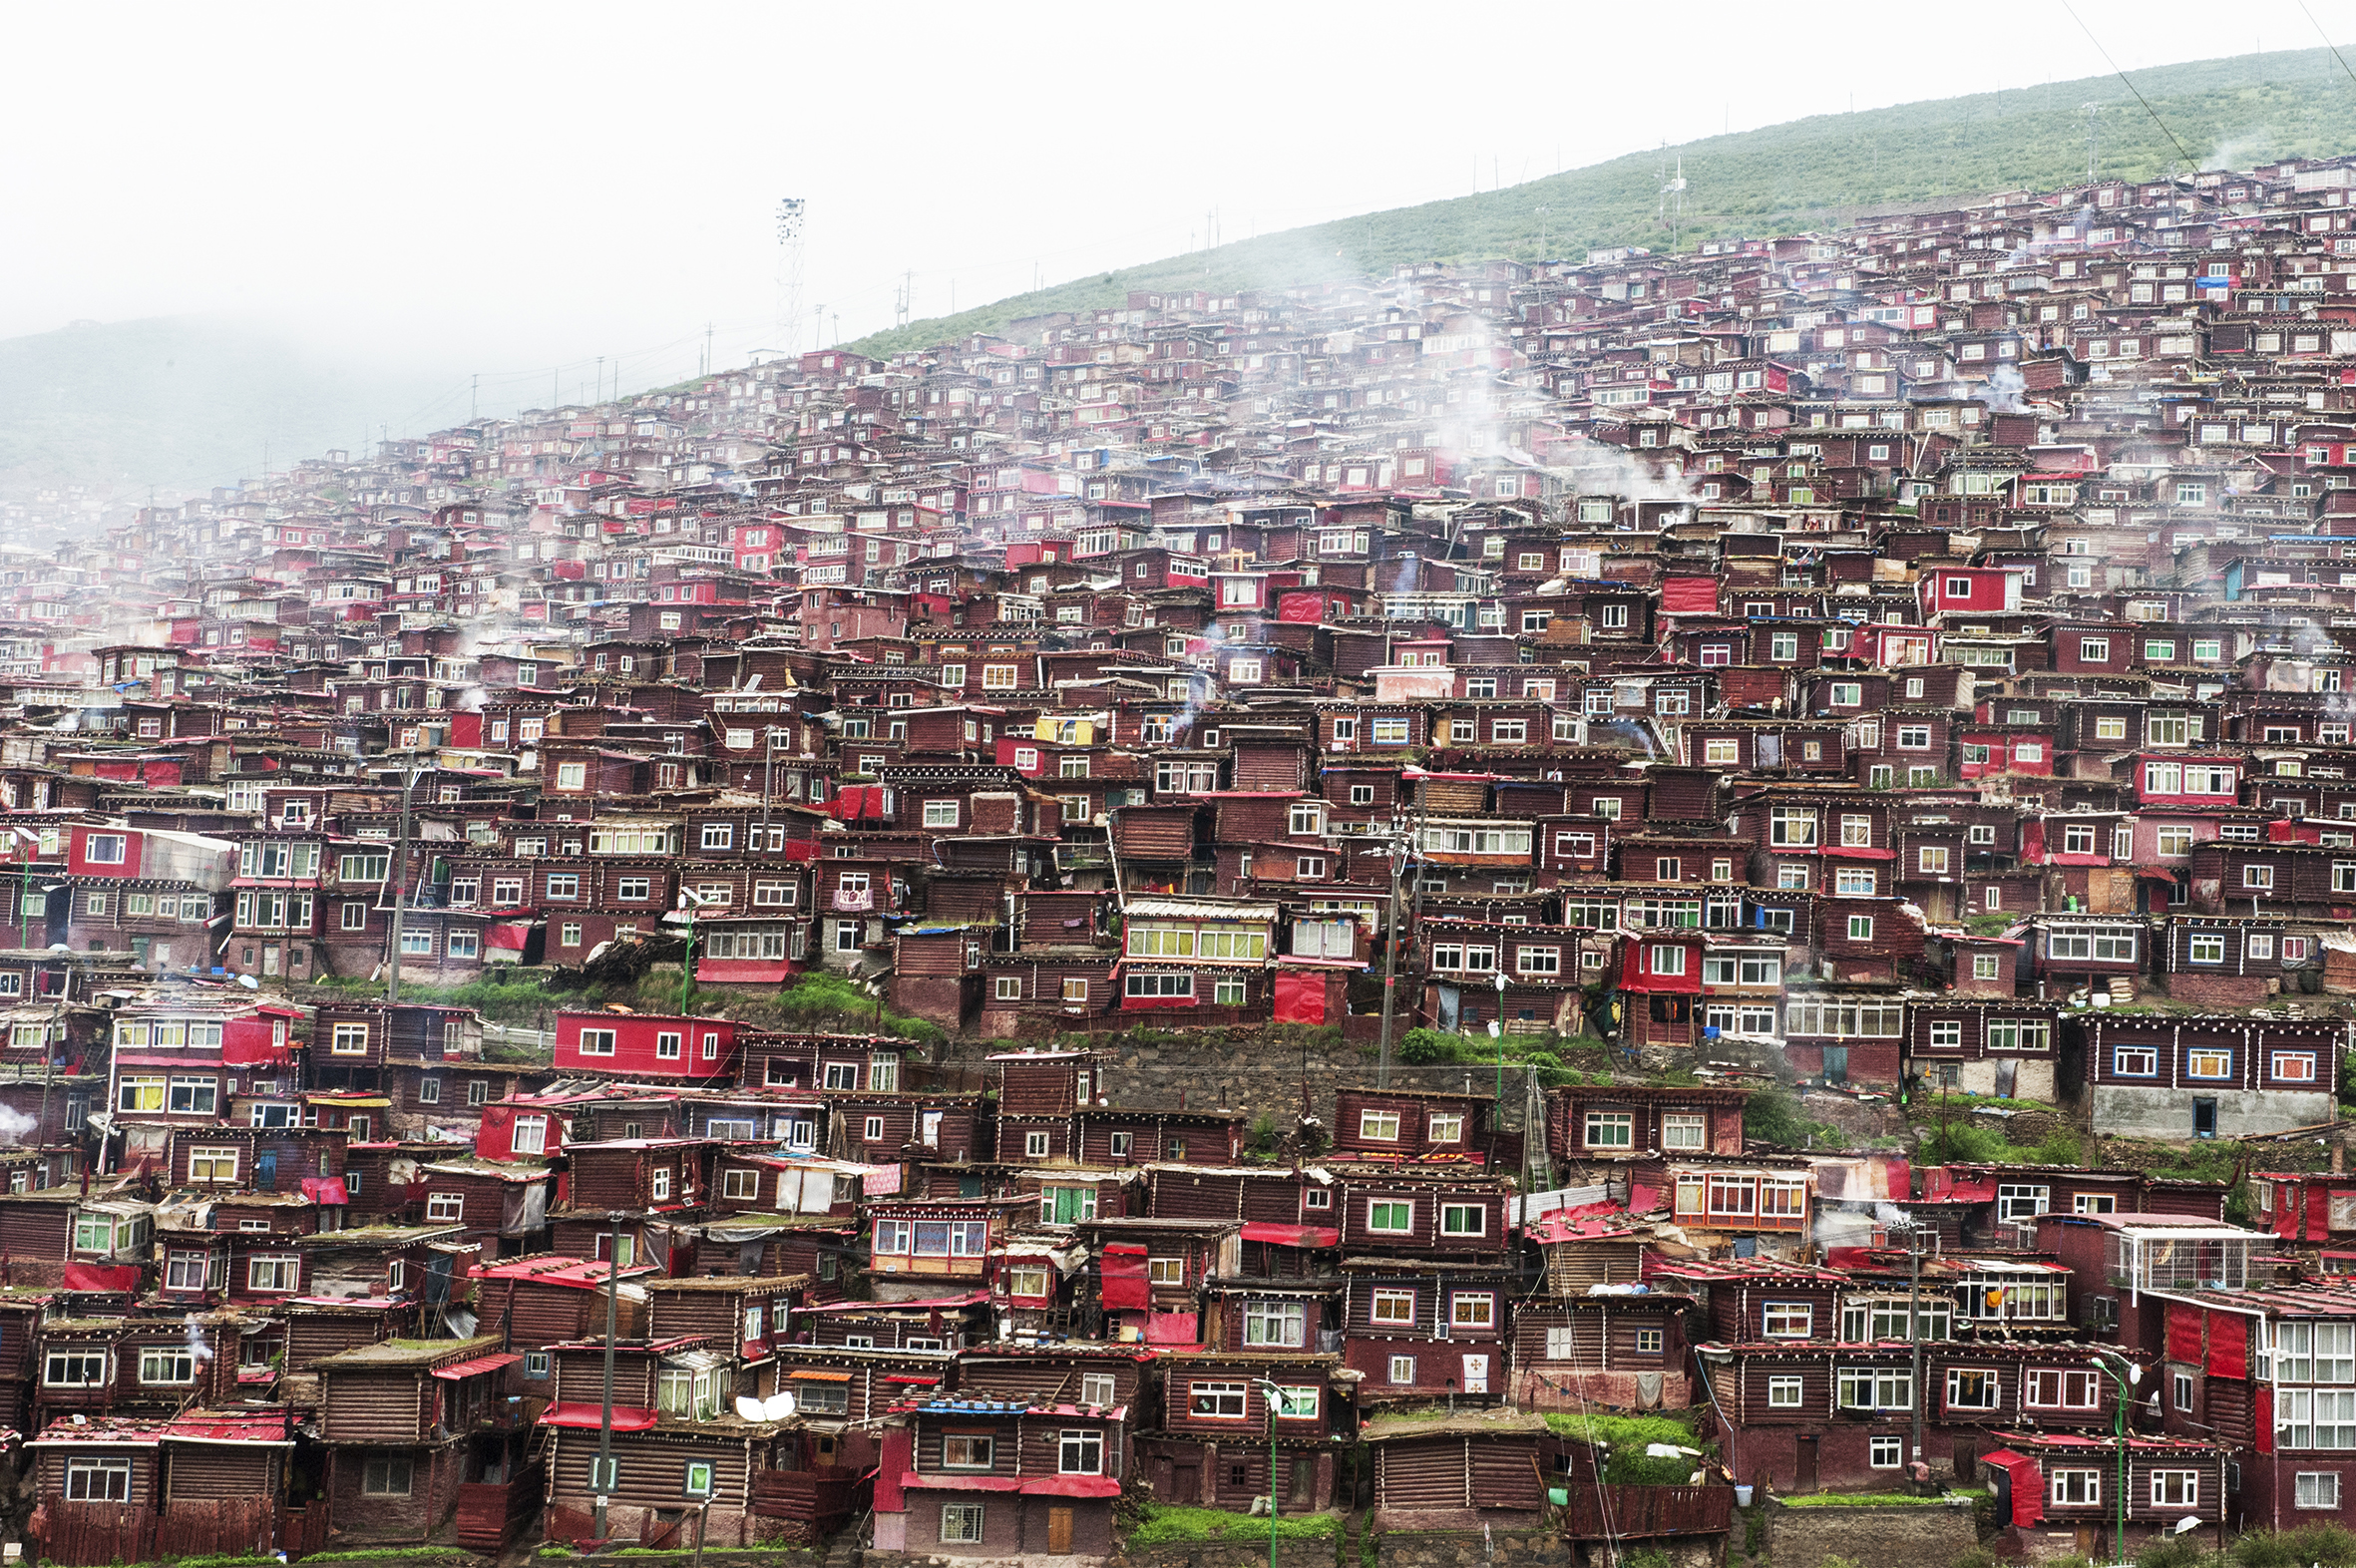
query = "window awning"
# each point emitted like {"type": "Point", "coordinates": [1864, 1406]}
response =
{"type": "Point", "coordinates": [809, 1376]}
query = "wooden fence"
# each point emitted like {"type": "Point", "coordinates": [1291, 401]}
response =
{"type": "Point", "coordinates": [96, 1533]}
{"type": "Point", "coordinates": [489, 1511]}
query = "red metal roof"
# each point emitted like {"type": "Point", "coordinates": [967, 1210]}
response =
{"type": "Point", "coordinates": [217, 1427]}
{"type": "Point", "coordinates": [481, 1364]}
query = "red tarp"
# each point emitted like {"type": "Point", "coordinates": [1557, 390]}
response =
{"type": "Point", "coordinates": [1291, 1235]}
{"type": "Point", "coordinates": [2183, 1334]}
{"type": "Point", "coordinates": [325, 1189]}
{"type": "Point", "coordinates": [1173, 1328]}
{"type": "Point", "coordinates": [1688, 595]}
{"type": "Point", "coordinates": [1309, 607]}
{"type": "Point", "coordinates": [1124, 1278]}
{"type": "Point", "coordinates": [2229, 1344]}
{"type": "Point", "coordinates": [627, 1419]}
{"type": "Point", "coordinates": [507, 937]}
{"type": "Point", "coordinates": [2028, 1485]}
{"type": "Point", "coordinates": [102, 1277]}
{"type": "Point", "coordinates": [1300, 997]}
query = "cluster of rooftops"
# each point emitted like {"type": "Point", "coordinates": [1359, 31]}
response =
{"type": "Point", "coordinates": [1907, 657]}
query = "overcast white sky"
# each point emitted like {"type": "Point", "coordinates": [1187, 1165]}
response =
{"type": "Point", "coordinates": [505, 188]}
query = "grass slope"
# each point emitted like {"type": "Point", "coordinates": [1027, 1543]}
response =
{"type": "Point", "coordinates": [178, 402]}
{"type": "Point", "coordinates": [1806, 173]}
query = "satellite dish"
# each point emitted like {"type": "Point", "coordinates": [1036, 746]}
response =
{"type": "Point", "coordinates": [778, 1407]}
{"type": "Point", "coordinates": [249, 982]}
{"type": "Point", "coordinates": [748, 1408]}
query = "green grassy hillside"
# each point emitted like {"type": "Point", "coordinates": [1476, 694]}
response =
{"type": "Point", "coordinates": [1807, 173]}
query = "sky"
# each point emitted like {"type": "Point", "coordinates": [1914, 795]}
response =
{"type": "Point", "coordinates": [514, 190]}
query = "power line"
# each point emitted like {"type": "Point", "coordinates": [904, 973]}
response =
{"type": "Point", "coordinates": [2131, 87]}
{"type": "Point", "coordinates": [2326, 37]}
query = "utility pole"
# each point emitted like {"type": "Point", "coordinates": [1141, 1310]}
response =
{"type": "Point", "coordinates": [1914, 1332]}
{"type": "Point", "coordinates": [473, 399]}
{"type": "Point", "coordinates": [602, 1473]}
{"type": "Point", "coordinates": [1391, 940]}
{"type": "Point", "coordinates": [392, 986]}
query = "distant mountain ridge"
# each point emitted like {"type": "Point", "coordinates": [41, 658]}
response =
{"type": "Point", "coordinates": [1778, 179]}
{"type": "Point", "coordinates": [182, 403]}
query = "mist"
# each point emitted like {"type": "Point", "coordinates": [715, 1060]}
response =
{"type": "Point", "coordinates": [512, 193]}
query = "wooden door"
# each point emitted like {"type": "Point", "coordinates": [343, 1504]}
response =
{"type": "Point", "coordinates": [1803, 1471]}
{"type": "Point", "coordinates": [1304, 1483]}
{"type": "Point", "coordinates": [1186, 1483]}
{"type": "Point", "coordinates": [1059, 1531]}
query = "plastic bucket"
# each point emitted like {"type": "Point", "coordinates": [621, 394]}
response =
{"type": "Point", "coordinates": [1560, 1497]}
{"type": "Point", "coordinates": [1742, 1496]}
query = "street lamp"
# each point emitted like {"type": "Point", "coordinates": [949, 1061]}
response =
{"type": "Point", "coordinates": [2135, 1375]}
{"type": "Point", "coordinates": [1273, 1396]}
{"type": "Point", "coordinates": [1497, 1029]}
{"type": "Point", "coordinates": [685, 915]}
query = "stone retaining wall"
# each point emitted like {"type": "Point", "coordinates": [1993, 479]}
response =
{"type": "Point", "coordinates": [1866, 1533]}
{"type": "Point", "coordinates": [1235, 1552]}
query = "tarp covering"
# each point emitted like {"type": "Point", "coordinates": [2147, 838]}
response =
{"type": "Point", "coordinates": [1300, 996]}
{"type": "Point", "coordinates": [1124, 1280]}
{"type": "Point", "coordinates": [511, 936]}
{"type": "Point", "coordinates": [325, 1189]}
{"type": "Point", "coordinates": [102, 1277]}
{"type": "Point", "coordinates": [2027, 1485]}
{"type": "Point", "coordinates": [1173, 1328]}
{"type": "Point", "coordinates": [1688, 595]}
{"type": "Point", "coordinates": [1291, 1235]}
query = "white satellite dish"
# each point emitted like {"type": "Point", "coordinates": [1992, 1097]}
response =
{"type": "Point", "coordinates": [249, 982]}
{"type": "Point", "coordinates": [748, 1408]}
{"type": "Point", "coordinates": [778, 1407]}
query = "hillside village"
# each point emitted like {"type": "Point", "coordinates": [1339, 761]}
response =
{"type": "Point", "coordinates": [1914, 661]}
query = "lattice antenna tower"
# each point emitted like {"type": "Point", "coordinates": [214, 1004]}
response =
{"type": "Point", "coordinates": [792, 217]}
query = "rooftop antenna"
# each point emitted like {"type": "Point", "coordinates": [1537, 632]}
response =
{"type": "Point", "coordinates": [792, 216]}
{"type": "Point", "coordinates": [1674, 186]}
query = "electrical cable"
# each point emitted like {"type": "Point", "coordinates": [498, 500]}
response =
{"type": "Point", "coordinates": [2131, 87]}
{"type": "Point", "coordinates": [2326, 37]}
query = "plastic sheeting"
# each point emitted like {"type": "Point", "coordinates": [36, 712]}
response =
{"type": "Point", "coordinates": [1125, 1285]}
{"type": "Point", "coordinates": [2022, 1479]}
{"type": "Point", "coordinates": [1300, 997]}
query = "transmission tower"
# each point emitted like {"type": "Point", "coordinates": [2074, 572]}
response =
{"type": "Point", "coordinates": [791, 215]}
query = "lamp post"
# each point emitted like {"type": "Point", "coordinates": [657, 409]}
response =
{"type": "Point", "coordinates": [1498, 1029]}
{"type": "Point", "coordinates": [690, 902]}
{"type": "Point", "coordinates": [2135, 1375]}
{"type": "Point", "coordinates": [1273, 1397]}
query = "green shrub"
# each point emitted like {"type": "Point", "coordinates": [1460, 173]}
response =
{"type": "Point", "coordinates": [1427, 1047]}
{"type": "Point", "coordinates": [2265, 1549]}
{"type": "Point", "coordinates": [2325, 1544]}
{"type": "Point", "coordinates": [2179, 1551]}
